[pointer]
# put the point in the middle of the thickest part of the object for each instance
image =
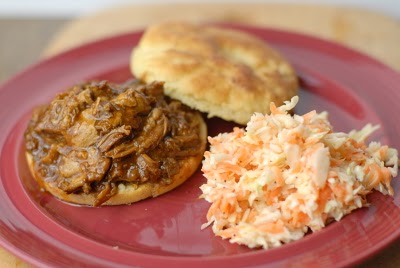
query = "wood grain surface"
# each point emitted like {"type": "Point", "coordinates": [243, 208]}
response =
{"type": "Point", "coordinates": [369, 32]}
{"type": "Point", "coordinates": [366, 31]}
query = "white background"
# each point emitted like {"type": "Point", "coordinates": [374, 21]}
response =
{"type": "Point", "coordinates": [73, 8]}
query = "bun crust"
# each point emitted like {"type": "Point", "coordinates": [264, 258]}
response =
{"type": "Point", "coordinates": [129, 193]}
{"type": "Point", "coordinates": [225, 73]}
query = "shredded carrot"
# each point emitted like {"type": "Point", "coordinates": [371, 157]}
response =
{"type": "Point", "coordinates": [270, 196]}
{"type": "Point", "coordinates": [271, 227]}
{"type": "Point", "coordinates": [324, 195]}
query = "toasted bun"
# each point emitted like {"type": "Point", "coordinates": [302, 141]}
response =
{"type": "Point", "coordinates": [222, 72]}
{"type": "Point", "coordinates": [130, 193]}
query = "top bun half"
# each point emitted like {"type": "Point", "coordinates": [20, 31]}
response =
{"type": "Point", "coordinates": [223, 72]}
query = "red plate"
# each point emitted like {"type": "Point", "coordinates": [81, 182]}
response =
{"type": "Point", "coordinates": [165, 231]}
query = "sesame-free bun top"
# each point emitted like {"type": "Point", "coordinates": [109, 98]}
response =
{"type": "Point", "coordinates": [223, 72]}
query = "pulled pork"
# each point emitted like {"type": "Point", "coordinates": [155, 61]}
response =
{"type": "Point", "coordinates": [97, 135]}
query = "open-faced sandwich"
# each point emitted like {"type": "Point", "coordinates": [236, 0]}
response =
{"type": "Point", "coordinates": [105, 144]}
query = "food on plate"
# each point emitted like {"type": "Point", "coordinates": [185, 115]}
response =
{"type": "Point", "coordinates": [223, 72]}
{"type": "Point", "coordinates": [283, 175]}
{"type": "Point", "coordinates": [105, 144]}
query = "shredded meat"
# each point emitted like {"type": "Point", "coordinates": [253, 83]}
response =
{"type": "Point", "coordinates": [97, 135]}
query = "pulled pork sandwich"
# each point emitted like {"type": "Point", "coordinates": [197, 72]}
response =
{"type": "Point", "coordinates": [105, 144]}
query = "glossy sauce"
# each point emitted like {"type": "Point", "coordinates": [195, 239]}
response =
{"type": "Point", "coordinates": [97, 135]}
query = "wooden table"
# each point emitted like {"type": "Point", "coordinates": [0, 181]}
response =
{"type": "Point", "coordinates": [26, 41]}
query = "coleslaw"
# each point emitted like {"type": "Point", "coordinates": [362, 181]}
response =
{"type": "Point", "coordinates": [283, 175]}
